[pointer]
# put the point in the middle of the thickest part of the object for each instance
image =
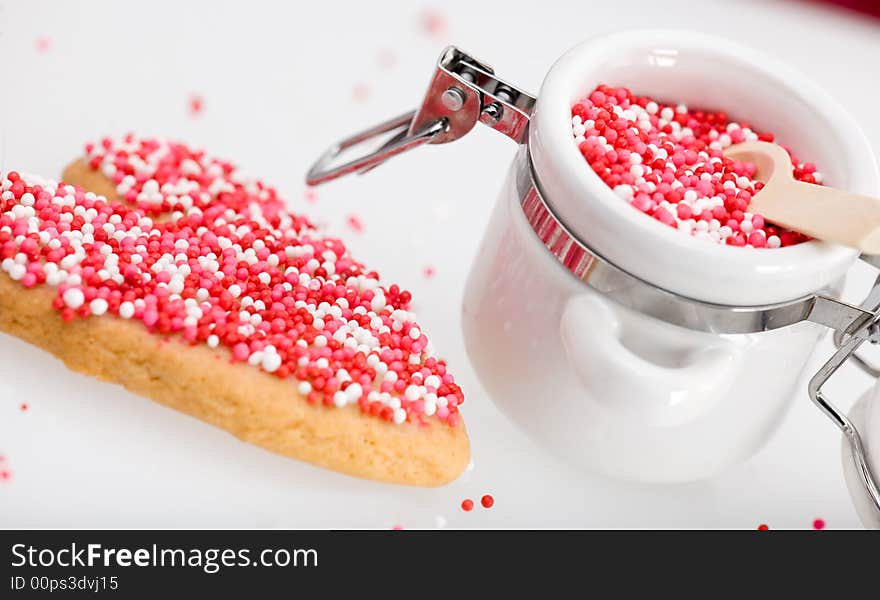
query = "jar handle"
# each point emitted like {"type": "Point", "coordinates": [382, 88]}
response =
{"type": "Point", "coordinates": [630, 381]}
{"type": "Point", "coordinates": [462, 92]}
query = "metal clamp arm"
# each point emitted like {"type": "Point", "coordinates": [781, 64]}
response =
{"type": "Point", "coordinates": [463, 91]}
{"type": "Point", "coordinates": [323, 169]}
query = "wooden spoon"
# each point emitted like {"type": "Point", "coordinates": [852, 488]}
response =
{"type": "Point", "coordinates": [818, 211]}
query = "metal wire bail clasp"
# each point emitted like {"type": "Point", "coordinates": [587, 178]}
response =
{"type": "Point", "coordinates": [848, 339]}
{"type": "Point", "coordinates": [462, 92]}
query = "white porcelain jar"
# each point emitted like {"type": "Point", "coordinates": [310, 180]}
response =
{"type": "Point", "coordinates": [615, 390]}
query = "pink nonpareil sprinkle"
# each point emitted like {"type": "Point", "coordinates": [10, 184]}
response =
{"type": "Point", "coordinates": [42, 44]}
{"type": "Point", "coordinates": [433, 23]}
{"type": "Point", "coordinates": [355, 223]}
{"type": "Point", "coordinates": [387, 58]}
{"type": "Point", "coordinates": [360, 92]}
{"type": "Point", "coordinates": [196, 105]}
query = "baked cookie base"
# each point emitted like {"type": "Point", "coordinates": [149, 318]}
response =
{"type": "Point", "coordinates": [252, 405]}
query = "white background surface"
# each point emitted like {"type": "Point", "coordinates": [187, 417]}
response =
{"type": "Point", "coordinates": [279, 83]}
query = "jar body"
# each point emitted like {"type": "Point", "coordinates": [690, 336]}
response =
{"type": "Point", "coordinates": [610, 389]}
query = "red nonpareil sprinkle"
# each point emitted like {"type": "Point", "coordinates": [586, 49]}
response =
{"type": "Point", "coordinates": [763, 527]}
{"type": "Point", "coordinates": [24, 406]}
{"type": "Point", "coordinates": [201, 252]}
{"type": "Point", "coordinates": [667, 161]}
{"type": "Point", "coordinates": [355, 223]}
{"type": "Point", "coordinates": [467, 505]}
{"type": "Point", "coordinates": [819, 524]}
{"type": "Point", "coordinates": [196, 105]}
{"type": "Point", "coordinates": [487, 501]}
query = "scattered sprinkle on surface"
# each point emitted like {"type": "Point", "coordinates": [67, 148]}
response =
{"type": "Point", "coordinates": [196, 105]}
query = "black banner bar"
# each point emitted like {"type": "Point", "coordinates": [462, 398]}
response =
{"type": "Point", "coordinates": [135, 564]}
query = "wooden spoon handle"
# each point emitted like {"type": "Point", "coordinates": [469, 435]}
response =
{"type": "Point", "coordinates": [822, 212]}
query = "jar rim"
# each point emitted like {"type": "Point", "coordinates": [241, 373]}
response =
{"type": "Point", "coordinates": [649, 249]}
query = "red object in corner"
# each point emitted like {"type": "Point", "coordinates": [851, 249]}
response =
{"type": "Point", "coordinates": [868, 7]}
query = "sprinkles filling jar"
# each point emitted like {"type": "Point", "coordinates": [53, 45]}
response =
{"type": "Point", "coordinates": [613, 311]}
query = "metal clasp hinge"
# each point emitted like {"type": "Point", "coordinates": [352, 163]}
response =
{"type": "Point", "coordinates": [852, 326]}
{"type": "Point", "coordinates": [462, 92]}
